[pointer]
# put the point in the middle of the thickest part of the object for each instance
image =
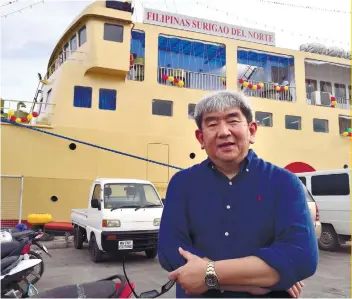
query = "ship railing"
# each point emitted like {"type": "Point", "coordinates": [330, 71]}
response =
{"type": "Point", "coordinates": [342, 103]}
{"type": "Point", "coordinates": [193, 80]}
{"type": "Point", "coordinates": [69, 55]}
{"type": "Point", "coordinates": [268, 91]}
{"type": "Point", "coordinates": [136, 72]}
{"type": "Point", "coordinates": [22, 109]}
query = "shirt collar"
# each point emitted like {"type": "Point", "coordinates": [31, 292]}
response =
{"type": "Point", "coordinates": [244, 164]}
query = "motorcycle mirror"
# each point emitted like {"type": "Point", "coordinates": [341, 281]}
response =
{"type": "Point", "coordinates": [149, 294]}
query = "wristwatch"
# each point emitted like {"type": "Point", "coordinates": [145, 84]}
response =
{"type": "Point", "coordinates": [211, 279]}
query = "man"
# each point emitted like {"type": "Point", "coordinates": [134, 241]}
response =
{"type": "Point", "coordinates": [235, 225]}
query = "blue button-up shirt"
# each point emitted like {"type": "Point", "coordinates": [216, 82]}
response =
{"type": "Point", "coordinates": [261, 212]}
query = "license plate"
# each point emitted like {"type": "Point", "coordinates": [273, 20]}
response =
{"type": "Point", "coordinates": [125, 245]}
{"type": "Point", "coordinates": [32, 290]}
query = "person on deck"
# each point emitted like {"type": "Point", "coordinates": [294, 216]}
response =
{"type": "Point", "coordinates": [235, 225]}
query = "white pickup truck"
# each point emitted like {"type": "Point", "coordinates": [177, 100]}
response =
{"type": "Point", "coordinates": [122, 214]}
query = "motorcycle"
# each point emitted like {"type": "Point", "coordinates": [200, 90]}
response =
{"type": "Point", "coordinates": [105, 288]}
{"type": "Point", "coordinates": [14, 272]}
{"type": "Point", "coordinates": [20, 244]}
{"type": "Point", "coordinates": [33, 239]}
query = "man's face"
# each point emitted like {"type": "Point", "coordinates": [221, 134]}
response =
{"type": "Point", "coordinates": [226, 136]}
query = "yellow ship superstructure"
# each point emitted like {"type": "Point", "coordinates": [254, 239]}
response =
{"type": "Point", "coordinates": [118, 93]}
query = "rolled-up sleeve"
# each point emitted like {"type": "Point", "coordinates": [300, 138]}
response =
{"type": "Point", "coordinates": [174, 227]}
{"type": "Point", "coordinates": [294, 252]}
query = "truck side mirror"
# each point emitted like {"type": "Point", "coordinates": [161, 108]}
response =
{"type": "Point", "coordinates": [94, 203]}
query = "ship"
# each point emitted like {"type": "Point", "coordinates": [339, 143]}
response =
{"type": "Point", "coordinates": [118, 97]}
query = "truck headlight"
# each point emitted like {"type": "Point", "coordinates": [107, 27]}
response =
{"type": "Point", "coordinates": [156, 222]}
{"type": "Point", "coordinates": [113, 223]}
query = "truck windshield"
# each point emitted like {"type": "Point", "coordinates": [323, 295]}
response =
{"type": "Point", "coordinates": [132, 195]}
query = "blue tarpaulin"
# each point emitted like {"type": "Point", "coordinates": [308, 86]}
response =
{"type": "Point", "coordinates": [257, 58]}
{"type": "Point", "coordinates": [138, 43]}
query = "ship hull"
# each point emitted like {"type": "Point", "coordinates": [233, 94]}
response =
{"type": "Point", "coordinates": [57, 179]}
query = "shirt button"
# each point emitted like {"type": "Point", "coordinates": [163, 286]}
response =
{"type": "Point", "coordinates": [226, 234]}
{"type": "Point", "coordinates": [228, 207]}
{"type": "Point", "coordinates": [230, 183]}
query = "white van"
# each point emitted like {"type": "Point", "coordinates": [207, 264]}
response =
{"type": "Point", "coordinates": [331, 191]}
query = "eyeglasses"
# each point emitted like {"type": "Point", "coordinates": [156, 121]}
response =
{"type": "Point", "coordinates": [154, 293]}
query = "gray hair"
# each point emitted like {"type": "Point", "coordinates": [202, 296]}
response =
{"type": "Point", "coordinates": [220, 101]}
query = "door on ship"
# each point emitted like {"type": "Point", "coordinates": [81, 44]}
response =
{"type": "Point", "coordinates": [158, 174]}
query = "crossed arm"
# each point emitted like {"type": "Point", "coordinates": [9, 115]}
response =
{"type": "Point", "coordinates": [291, 258]}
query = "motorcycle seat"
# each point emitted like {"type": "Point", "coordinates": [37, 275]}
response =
{"type": "Point", "coordinates": [7, 262]}
{"type": "Point", "coordinates": [7, 248]}
{"type": "Point", "coordinates": [98, 289]}
{"type": "Point", "coordinates": [20, 235]}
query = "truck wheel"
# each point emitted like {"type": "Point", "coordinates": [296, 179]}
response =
{"type": "Point", "coordinates": [151, 253]}
{"type": "Point", "coordinates": [328, 240]}
{"type": "Point", "coordinates": [77, 238]}
{"type": "Point", "coordinates": [95, 253]}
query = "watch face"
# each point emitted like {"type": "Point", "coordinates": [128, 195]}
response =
{"type": "Point", "coordinates": [211, 280]}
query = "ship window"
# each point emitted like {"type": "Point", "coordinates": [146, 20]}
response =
{"type": "Point", "coordinates": [311, 86]}
{"type": "Point", "coordinates": [191, 108]}
{"type": "Point", "coordinates": [259, 72]}
{"type": "Point", "coordinates": [344, 123]}
{"type": "Point", "coordinates": [325, 86]}
{"type": "Point", "coordinates": [340, 91]}
{"type": "Point", "coordinates": [66, 51]}
{"type": "Point", "coordinates": [293, 122]}
{"type": "Point", "coordinates": [82, 36]}
{"type": "Point", "coordinates": [161, 107]}
{"type": "Point", "coordinates": [82, 97]}
{"type": "Point", "coordinates": [113, 32]}
{"type": "Point", "coordinates": [264, 119]}
{"type": "Point", "coordinates": [191, 64]}
{"type": "Point", "coordinates": [73, 43]}
{"type": "Point", "coordinates": [137, 55]}
{"type": "Point", "coordinates": [320, 125]}
{"type": "Point", "coordinates": [107, 99]}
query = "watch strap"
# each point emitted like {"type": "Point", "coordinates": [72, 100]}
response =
{"type": "Point", "coordinates": [211, 278]}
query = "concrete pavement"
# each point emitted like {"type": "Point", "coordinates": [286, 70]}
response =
{"type": "Point", "coordinates": [70, 266]}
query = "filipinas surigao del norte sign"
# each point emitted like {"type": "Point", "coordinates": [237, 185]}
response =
{"type": "Point", "coordinates": [182, 22]}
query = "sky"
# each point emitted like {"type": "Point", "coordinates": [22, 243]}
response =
{"type": "Point", "coordinates": [29, 36]}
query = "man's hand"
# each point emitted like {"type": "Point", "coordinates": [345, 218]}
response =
{"type": "Point", "coordinates": [296, 289]}
{"type": "Point", "coordinates": [191, 276]}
